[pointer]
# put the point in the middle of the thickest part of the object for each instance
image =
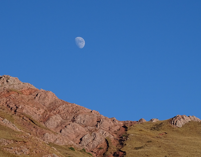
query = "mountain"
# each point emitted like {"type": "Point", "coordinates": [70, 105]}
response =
{"type": "Point", "coordinates": [36, 123]}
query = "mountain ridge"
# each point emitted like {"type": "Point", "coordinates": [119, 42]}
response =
{"type": "Point", "coordinates": [40, 115]}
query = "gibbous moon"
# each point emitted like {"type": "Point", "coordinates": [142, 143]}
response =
{"type": "Point", "coordinates": [80, 42]}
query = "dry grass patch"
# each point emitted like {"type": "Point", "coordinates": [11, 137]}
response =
{"type": "Point", "coordinates": [35, 146]}
{"type": "Point", "coordinates": [14, 90]}
{"type": "Point", "coordinates": [160, 139]}
{"type": "Point", "coordinates": [6, 115]}
{"type": "Point", "coordinates": [68, 151]}
{"type": "Point", "coordinates": [5, 154]}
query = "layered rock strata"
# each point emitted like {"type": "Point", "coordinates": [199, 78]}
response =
{"type": "Point", "coordinates": [67, 123]}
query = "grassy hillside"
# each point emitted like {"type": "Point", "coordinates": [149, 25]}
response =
{"type": "Point", "coordinates": [160, 139]}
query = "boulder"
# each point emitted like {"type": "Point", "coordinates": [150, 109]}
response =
{"type": "Point", "coordinates": [53, 121]}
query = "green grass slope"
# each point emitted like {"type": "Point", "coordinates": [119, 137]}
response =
{"type": "Point", "coordinates": [160, 139]}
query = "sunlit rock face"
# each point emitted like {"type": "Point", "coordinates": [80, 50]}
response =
{"type": "Point", "coordinates": [180, 120]}
{"type": "Point", "coordinates": [57, 121]}
{"type": "Point", "coordinates": [43, 117]}
{"type": "Point", "coordinates": [8, 82]}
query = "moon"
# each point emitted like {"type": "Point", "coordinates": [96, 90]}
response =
{"type": "Point", "coordinates": [80, 42]}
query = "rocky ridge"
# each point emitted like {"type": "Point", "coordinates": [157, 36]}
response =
{"type": "Point", "coordinates": [63, 123]}
{"type": "Point", "coordinates": [66, 123]}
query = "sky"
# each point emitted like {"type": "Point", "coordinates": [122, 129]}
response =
{"type": "Point", "coordinates": [141, 59]}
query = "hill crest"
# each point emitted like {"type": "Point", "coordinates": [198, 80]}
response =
{"type": "Point", "coordinates": [41, 115]}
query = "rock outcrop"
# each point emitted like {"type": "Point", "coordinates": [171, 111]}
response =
{"type": "Point", "coordinates": [55, 120]}
{"type": "Point", "coordinates": [180, 120]}
{"type": "Point", "coordinates": [142, 120]}
{"type": "Point", "coordinates": [13, 83]}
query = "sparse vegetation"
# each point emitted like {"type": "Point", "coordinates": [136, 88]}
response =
{"type": "Point", "coordinates": [9, 134]}
{"type": "Point", "coordinates": [4, 114]}
{"type": "Point", "coordinates": [83, 150]}
{"type": "Point", "coordinates": [89, 154]}
{"type": "Point", "coordinates": [161, 139]}
{"type": "Point", "coordinates": [157, 126]}
{"type": "Point", "coordinates": [21, 139]}
{"type": "Point", "coordinates": [71, 148]}
{"type": "Point", "coordinates": [125, 135]}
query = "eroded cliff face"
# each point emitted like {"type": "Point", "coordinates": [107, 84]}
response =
{"type": "Point", "coordinates": [60, 122]}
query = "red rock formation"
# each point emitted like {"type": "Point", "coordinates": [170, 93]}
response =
{"type": "Point", "coordinates": [64, 123]}
{"type": "Point", "coordinates": [68, 124]}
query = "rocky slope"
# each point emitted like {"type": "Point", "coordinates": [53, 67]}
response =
{"type": "Point", "coordinates": [43, 115]}
{"type": "Point", "coordinates": [43, 125]}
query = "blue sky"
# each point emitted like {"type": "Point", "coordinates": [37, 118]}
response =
{"type": "Point", "coordinates": [142, 59]}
